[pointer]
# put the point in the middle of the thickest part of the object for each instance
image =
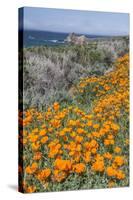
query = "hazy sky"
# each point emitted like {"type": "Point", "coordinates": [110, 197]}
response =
{"type": "Point", "coordinates": [61, 20]}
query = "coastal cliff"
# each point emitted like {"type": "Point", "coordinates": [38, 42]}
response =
{"type": "Point", "coordinates": [72, 38]}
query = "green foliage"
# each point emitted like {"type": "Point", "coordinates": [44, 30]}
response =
{"type": "Point", "coordinates": [50, 72]}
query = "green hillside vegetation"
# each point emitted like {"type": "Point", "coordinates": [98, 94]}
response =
{"type": "Point", "coordinates": [51, 73]}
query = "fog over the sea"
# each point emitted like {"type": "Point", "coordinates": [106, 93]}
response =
{"type": "Point", "coordinates": [87, 22]}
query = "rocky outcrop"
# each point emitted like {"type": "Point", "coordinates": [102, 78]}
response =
{"type": "Point", "coordinates": [72, 38]}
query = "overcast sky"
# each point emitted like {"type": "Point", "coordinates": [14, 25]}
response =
{"type": "Point", "coordinates": [87, 22]}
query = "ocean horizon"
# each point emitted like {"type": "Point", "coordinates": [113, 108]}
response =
{"type": "Point", "coordinates": [47, 38]}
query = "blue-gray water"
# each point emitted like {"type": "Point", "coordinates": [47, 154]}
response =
{"type": "Point", "coordinates": [38, 38]}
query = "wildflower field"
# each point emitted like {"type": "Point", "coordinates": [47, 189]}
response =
{"type": "Point", "coordinates": [79, 144]}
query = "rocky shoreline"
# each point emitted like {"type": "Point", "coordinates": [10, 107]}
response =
{"type": "Point", "coordinates": [72, 38]}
